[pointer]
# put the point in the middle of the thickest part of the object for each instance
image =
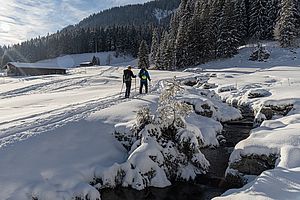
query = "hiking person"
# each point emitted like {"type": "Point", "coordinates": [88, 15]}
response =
{"type": "Point", "coordinates": [127, 77]}
{"type": "Point", "coordinates": [144, 76]}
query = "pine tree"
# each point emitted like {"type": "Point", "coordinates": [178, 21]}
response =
{"type": "Point", "coordinates": [260, 22]}
{"type": "Point", "coordinates": [272, 13]}
{"type": "Point", "coordinates": [227, 42]}
{"type": "Point", "coordinates": [143, 56]}
{"type": "Point", "coordinates": [241, 20]}
{"type": "Point", "coordinates": [166, 56]}
{"type": "Point", "coordinates": [154, 45]}
{"type": "Point", "coordinates": [169, 56]}
{"type": "Point", "coordinates": [286, 31]}
{"type": "Point", "coordinates": [182, 40]}
{"type": "Point", "coordinates": [215, 19]}
{"type": "Point", "coordinates": [196, 34]}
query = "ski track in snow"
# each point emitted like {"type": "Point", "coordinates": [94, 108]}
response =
{"type": "Point", "coordinates": [55, 85]}
{"type": "Point", "coordinates": [57, 118]}
{"type": "Point", "coordinates": [38, 123]}
{"type": "Point", "coordinates": [45, 121]}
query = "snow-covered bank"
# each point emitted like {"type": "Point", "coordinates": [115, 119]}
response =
{"type": "Point", "coordinates": [272, 92]}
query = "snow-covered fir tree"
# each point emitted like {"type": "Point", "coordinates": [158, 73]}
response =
{"type": "Point", "coordinates": [154, 46]}
{"type": "Point", "coordinates": [228, 38]}
{"type": "Point", "coordinates": [215, 20]}
{"type": "Point", "coordinates": [199, 46]}
{"type": "Point", "coordinates": [182, 40]}
{"type": "Point", "coordinates": [163, 56]}
{"type": "Point", "coordinates": [286, 29]}
{"type": "Point", "coordinates": [241, 20]}
{"type": "Point", "coordinates": [273, 12]}
{"type": "Point", "coordinates": [195, 35]}
{"type": "Point", "coordinates": [258, 21]}
{"type": "Point", "coordinates": [163, 147]}
{"type": "Point", "coordinates": [143, 56]}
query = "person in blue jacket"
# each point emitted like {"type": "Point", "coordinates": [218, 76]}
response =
{"type": "Point", "coordinates": [144, 76]}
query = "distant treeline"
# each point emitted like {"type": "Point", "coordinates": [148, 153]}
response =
{"type": "Point", "coordinates": [125, 40]}
{"type": "Point", "coordinates": [197, 32]}
{"type": "Point", "coordinates": [118, 29]}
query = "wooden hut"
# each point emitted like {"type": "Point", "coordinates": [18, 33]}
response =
{"type": "Point", "coordinates": [32, 69]}
{"type": "Point", "coordinates": [86, 64]}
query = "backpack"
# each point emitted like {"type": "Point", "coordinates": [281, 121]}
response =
{"type": "Point", "coordinates": [127, 75]}
{"type": "Point", "coordinates": [143, 75]}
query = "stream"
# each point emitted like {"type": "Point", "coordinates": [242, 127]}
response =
{"type": "Point", "coordinates": [207, 186]}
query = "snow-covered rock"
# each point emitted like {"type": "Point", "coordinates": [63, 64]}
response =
{"type": "Point", "coordinates": [256, 93]}
{"type": "Point", "coordinates": [226, 88]}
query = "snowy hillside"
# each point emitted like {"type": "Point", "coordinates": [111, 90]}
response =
{"type": "Point", "coordinates": [106, 58]}
{"type": "Point", "coordinates": [278, 57]}
{"type": "Point", "coordinates": [161, 14]}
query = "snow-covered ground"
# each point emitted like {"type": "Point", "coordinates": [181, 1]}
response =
{"type": "Point", "coordinates": [49, 137]}
{"type": "Point", "coordinates": [56, 131]}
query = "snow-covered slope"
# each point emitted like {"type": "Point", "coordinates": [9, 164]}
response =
{"type": "Point", "coordinates": [106, 58]}
{"type": "Point", "coordinates": [161, 14]}
{"type": "Point", "coordinates": [278, 57]}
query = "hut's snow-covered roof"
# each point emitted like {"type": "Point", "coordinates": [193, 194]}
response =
{"type": "Point", "coordinates": [86, 63]}
{"type": "Point", "coordinates": [35, 65]}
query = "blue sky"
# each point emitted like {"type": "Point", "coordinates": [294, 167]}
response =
{"type": "Point", "coordinates": [24, 19]}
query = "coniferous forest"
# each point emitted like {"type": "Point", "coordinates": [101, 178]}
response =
{"type": "Point", "coordinates": [197, 32]}
{"type": "Point", "coordinates": [201, 31]}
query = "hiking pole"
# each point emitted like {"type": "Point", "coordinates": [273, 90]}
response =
{"type": "Point", "coordinates": [122, 89]}
{"type": "Point", "coordinates": [135, 83]}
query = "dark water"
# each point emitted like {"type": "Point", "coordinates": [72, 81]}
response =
{"type": "Point", "coordinates": [234, 132]}
{"type": "Point", "coordinates": [207, 186]}
{"type": "Point", "coordinates": [177, 191]}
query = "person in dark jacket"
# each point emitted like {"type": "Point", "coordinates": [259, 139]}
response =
{"type": "Point", "coordinates": [127, 77]}
{"type": "Point", "coordinates": [144, 76]}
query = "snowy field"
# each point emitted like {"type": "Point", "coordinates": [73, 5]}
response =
{"type": "Point", "coordinates": [56, 131]}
